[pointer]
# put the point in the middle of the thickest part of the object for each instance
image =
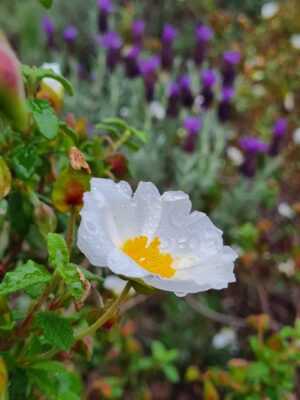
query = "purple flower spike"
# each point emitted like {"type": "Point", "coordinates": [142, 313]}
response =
{"type": "Point", "coordinates": [193, 126]}
{"type": "Point", "coordinates": [280, 127]}
{"type": "Point", "coordinates": [227, 93]}
{"type": "Point", "coordinates": [131, 61]}
{"type": "Point", "coordinates": [209, 78]}
{"type": "Point", "coordinates": [279, 131]}
{"type": "Point", "coordinates": [187, 96]}
{"type": "Point", "coordinates": [149, 65]}
{"type": "Point", "coordinates": [173, 107]}
{"type": "Point", "coordinates": [148, 69]}
{"type": "Point", "coordinates": [48, 26]}
{"type": "Point", "coordinates": [184, 82]}
{"type": "Point", "coordinates": [169, 34]}
{"type": "Point", "coordinates": [70, 33]}
{"type": "Point", "coordinates": [111, 40]}
{"type": "Point", "coordinates": [232, 57]}
{"type": "Point", "coordinates": [106, 6]}
{"type": "Point", "coordinates": [138, 29]}
{"type": "Point", "coordinates": [204, 33]}
{"type": "Point", "coordinates": [253, 145]}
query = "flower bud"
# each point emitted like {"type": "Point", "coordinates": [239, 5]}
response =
{"type": "Point", "coordinates": [259, 322]}
{"type": "Point", "coordinates": [12, 96]}
{"type": "Point", "coordinates": [5, 179]}
{"type": "Point", "coordinates": [45, 219]}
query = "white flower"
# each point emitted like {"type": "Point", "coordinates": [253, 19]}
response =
{"type": "Point", "coordinates": [235, 155]}
{"type": "Point", "coordinates": [285, 210]}
{"type": "Point", "coordinates": [53, 84]}
{"type": "Point", "coordinates": [296, 136]}
{"type": "Point", "coordinates": [227, 337]}
{"type": "Point", "coordinates": [295, 41]}
{"type": "Point", "coordinates": [269, 10]}
{"type": "Point", "coordinates": [157, 110]}
{"type": "Point", "coordinates": [115, 284]}
{"type": "Point", "coordinates": [289, 101]}
{"type": "Point", "coordinates": [288, 267]}
{"type": "Point", "coordinates": [153, 237]}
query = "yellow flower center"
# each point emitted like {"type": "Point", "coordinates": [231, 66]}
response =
{"type": "Point", "coordinates": [149, 256]}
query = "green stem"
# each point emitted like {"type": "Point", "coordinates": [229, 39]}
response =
{"type": "Point", "coordinates": [91, 329]}
{"type": "Point", "coordinates": [72, 222]}
{"type": "Point", "coordinates": [106, 316]}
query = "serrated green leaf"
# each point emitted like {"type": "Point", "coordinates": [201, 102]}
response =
{"type": "Point", "coordinates": [42, 73]}
{"type": "Point", "coordinates": [46, 3]}
{"type": "Point", "coordinates": [25, 161]}
{"type": "Point", "coordinates": [71, 277]}
{"type": "Point", "coordinates": [56, 330]}
{"type": "Point", "coordinates": [23, 277]}
{"type": "Point", "coordinates": [58, 250]}
{"type": "Point", "coordinates": [50, 366]}
{"type": "Point", "coordinates": [45, 118]}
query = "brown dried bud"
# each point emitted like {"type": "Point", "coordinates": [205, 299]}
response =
{"type": "Point", "coordinates": [78, 161]}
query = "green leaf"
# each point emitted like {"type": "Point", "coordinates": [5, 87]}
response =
{"type": "Point", "coordinates": [46, 3]}
{"type": "Point", "coordinates": [142, 136]}
{"type": "Point", "coordinates": [71, 277]}
{"type": "Point", "coordinates": [45, 118]}
{"type": "Point", "coordinates": [58, 250]}
{"type": "Point", "coordinates": [42, 73]}
{"type": "Point", "coordinates": [69, 132]}
{"type": "Point", "coordinates": [18, 387]}
{"type": "Point", "coordinates": [19, 217]}
{"type": "Point", "coordinates": [171, 373]}
{"type": "Point", "coordinates": [25, 161]}
{"type": "Point", "coordinates": [56, 330]}
{"type": "Point", "coordinates": [90, 276]}
{"type": "Point", "coordinates": [24, 276]}
{"type": "Point", "coordinates": [50, 366]}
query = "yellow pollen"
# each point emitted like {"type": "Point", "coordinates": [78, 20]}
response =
{"type": "Point", "coordinates": [149, 256]}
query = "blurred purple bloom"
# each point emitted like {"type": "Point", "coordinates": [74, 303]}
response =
{"type": "Point", "coordinates": [148, 69]}
{"type": "Point", "coordinates": [225, 107]}
{"type": "Point", "coordinates": [209, 78]}
{"type": "Point", "coordinates": [48, 26]}
{"type": "Point", "coordinates": [111, 40]}
{"type": "Point", "coordinates": [193, 126]}
{"type": "Point", "coordinates": [185, 91]}
{"type": "Point", "coordinates": [279, 131]}
{"type": "Point", "coordinates": [138, 29]}
{"type": "Point", "coordinates": [280, 127]}
{"type": "Point", "coordinates": [251, 144]}
{"type": "Point", "coordinates": [169, 34]}
{"type": "Point", "coordinates": [173, 106]}
{"type": "Point", "coordinates": [70, 33]}
{"type": "Point", "coordinates": [49, 30]}
{"type": "Point", "coordinates": [232, 57]}
{"type": "Point", "coordinates": [106, 6]}
{"type": "Point", "coordinates": [227, 93]}
{"type": "Point", "coordinates": [204, 33]}
{"type": "Point", "coordinates": [131, 61]}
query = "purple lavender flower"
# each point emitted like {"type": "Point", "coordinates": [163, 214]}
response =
{"type": "Point", "coordinates": [138, 29]}
{"type": "Point", "coordinates": [105, 7]}
{"type": "Point", "coordinates": [167, 53]}
{"type": "Point", "coordinates": [192, 126]}
{"type": "Point", "coordinates": [203, 35]}
{"type": "Point", "coordinates": [251, 146]}
{"type": "Point", "coordinates": [70, 33]}
{"type": "Point", "coordinates": [169, 34]}
{"type": "Point", "coordinates": [186, 94]}
{"type": "Point", "coordinates": [49, 30]}
{"type": "Point", "coordinates": [230, 60]}
{"type": "Point", "coordinates": [279, 131]}
{"type": "Point", "coordinates": [209, 78]}
{"type": "Point", "coordinates": [148, 68]}
{"type": "Point", "coordinates": [131, 61]}
{"type": "Point", "coordinates": [112, 42]}
{"type": "Point", "coordinates": [225, 107]}
{"type": "Point", "coordinates": [173, 106]}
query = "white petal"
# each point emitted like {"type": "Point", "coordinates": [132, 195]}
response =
{"type": "Point", "coordinates": [119, 263]}
{"type": "Point", "coordinates": [94, 239]}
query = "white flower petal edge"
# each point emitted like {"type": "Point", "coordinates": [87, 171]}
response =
{"type": "Point", "coordinates": [153, 237]}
